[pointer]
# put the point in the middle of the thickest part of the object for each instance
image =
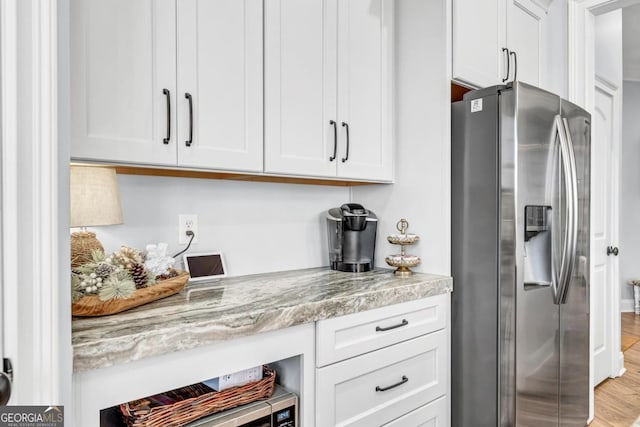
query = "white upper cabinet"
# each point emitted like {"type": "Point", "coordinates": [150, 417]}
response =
{"type": "Point", "coordinates": [495, 41]}
{"type": "Point", "coordinates": [526, 29]}
{"type": "Point", "coordinates": [279, 87]}
{"type": "Point", "coordinates": [365, 103]}
{"type": "Point", "coordinates": [328, 82]}
{"type": "Point", "coordinates": [300, 86]}
{"type": "Point", "coordinates": [122, 76]}
{"type": "Point", "coordinates": [133, 64]}
{"type": "Point", "coordinates": [220, 68]}
{"type": "Point", "coordinates": [478, 39]}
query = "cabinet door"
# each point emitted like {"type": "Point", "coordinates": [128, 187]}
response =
{"type": "Point", "coordinates": [478, 40]}
{"type": "Point", "coordinates": [220, 66]}
{"type": "Point", "coordinates": [365, 81]}
{"type": "Point", "coordinates": [300, 86]}
{"type": "Point", "coordinates": [122, 61]}
{"type": "Point", "coordinates": [525, 36]}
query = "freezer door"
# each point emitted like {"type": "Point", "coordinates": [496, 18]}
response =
{"type": "Point", "coordinates": [539, 210]}
{"type": "Point", "coordinates": [574, 313]}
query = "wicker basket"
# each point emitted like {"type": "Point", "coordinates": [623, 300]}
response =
{"type": "Point", "coordinates": [189, 403]}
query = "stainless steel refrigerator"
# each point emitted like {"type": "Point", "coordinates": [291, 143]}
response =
{"type": "Point", "coordinates": [520, 248]}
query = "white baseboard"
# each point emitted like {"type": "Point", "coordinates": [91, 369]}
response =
{"type": "Point", "coordinates": [627, 306]}
{"type": "Point", "coordinates": [621, 368]}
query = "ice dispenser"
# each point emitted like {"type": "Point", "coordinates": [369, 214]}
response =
{"type": "Point", "coordinates": [538, 267]}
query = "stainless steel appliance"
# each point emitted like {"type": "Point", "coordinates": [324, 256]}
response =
{"type": "Point", "coordinates": [352, 237]}
{"type": "Point", "coordinates": [520, 259]}
{"type": "Point", "coordinates": [280, 410]}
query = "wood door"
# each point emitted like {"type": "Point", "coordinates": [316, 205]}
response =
{"type": "Point", "coordinates": [478, 39]}
{"type": "Point", "coordinates": [123, 56]}
{"type": "Point", "coordinates": [525, 36]}
{"type": "Point", "coordinates": [605, 320]}
{"type": "Point", "coordinates": [300, 87]}
{"type": "Point", "coordinates": [365, 81]}
{"type": "Point", "coordinates": [220, 67]}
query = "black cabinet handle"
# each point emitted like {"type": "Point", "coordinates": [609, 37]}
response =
{"type": "Point", "coordinates": [515, 65]}
{"type": "Point", "coordinates": [168, 95]}
{"type": "Point", "coordinates": [612, 250]}
{"type": "Point", "coordinates": [335, 139]}
{"type": "Point", "coordinates": [504, 49]}
{"type": "Point", "coordinates": [346, 126]}
{"type": "Point", "coordinates": [190, 140]}
{"type": "Point", "coordinates": [388, 328]}
{"type": "Point", "coordinates": [402, 381]}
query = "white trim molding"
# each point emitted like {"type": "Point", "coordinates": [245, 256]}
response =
{"type": "Point", "coordinates": [37, 332]}
{"type": "Point", "coordinates": [627, 305]}
{"type": "Point", "coordinates": [582, 82]}
{"type": "Point", "coordinates": [9, 189]}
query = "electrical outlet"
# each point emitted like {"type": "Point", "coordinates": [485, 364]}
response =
{"type": "Point", "coordinates": [186, 223]}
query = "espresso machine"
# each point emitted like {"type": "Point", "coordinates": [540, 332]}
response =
{"type": "Point", "coordinates": [352, 238]}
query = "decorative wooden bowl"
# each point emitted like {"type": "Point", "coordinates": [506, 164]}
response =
{"type": "Point", "coordinates": [91, 305]}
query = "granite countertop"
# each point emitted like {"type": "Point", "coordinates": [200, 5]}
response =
{"type": "Point", "coordinates": [233, 307]}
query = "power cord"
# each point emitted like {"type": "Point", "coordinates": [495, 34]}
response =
{"type": "Point", "coordinates": [188, 233]}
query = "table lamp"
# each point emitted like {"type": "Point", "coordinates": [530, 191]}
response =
{"type": "Point", "coordinates": [95, 201]}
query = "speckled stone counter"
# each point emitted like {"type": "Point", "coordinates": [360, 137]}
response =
{"type": "Point", "coordinates": [203, 314]}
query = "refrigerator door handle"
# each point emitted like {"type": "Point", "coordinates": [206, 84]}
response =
{"type": "Point", "coordinates": [561, 278]}
{"type": "Point", "coordinates": [573, 242]}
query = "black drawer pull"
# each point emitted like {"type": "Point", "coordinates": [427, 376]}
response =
{"type": "Point", "coordinates": [190, 140]}
{"type": "Point", "coordinates": [346, 157]}
{"type": "Point", "coordinates": [404, 380]}
{"type": "Point", "coordinates": [335, 140]}
{"type": "Point", "coordinates": [388, 328]}
{"type": "Point", "coordinates": [168, 95]}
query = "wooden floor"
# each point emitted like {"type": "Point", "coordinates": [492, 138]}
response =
{"type": "Point", "coordinates": [617, 401]}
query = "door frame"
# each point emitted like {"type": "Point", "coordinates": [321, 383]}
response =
{"type": "Point", "coordinates": [35, 221]}
{"type": "Point", "coordinates": [8, 180]}
{"type": "Point", "coordinates": [617, 357]}
{"type": "Point", "coordinates": [582, 82]}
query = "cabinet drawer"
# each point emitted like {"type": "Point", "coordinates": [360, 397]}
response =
{"type": "Point", "coordinates": [433, 414]}
{"type": "Point", "coordinates": [378, 387]}
{"type": "Point", "coordinates": [343, 337]}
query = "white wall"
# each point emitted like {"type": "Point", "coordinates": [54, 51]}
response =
{"type": "Point", "coordinates": [556, 54]}
{"type": "Point", "coordinates": [630, 191]}
{"type": "Point", "coordinates": [259, 227]}
{"type": "Point", "coordinates": [608, 41]}
{"type": "Point", "coordinates": [421, 193]}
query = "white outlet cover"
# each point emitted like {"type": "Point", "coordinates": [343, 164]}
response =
{"type": "Point", "coordinates": [187, 222]}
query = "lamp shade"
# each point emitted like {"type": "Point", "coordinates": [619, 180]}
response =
{"type": "Point", "coordinates": [95, 199]}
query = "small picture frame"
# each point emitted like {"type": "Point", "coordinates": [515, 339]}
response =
{"type": "Point", "coordinates": [205, 266]}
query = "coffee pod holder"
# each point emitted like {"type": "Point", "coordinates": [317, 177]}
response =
{"type": "Point", "coordinates": [402, 261]}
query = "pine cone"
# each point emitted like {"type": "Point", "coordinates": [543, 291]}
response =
{"type": "Point", "coordinates": [139, 275]}
{"type": "Point", "coordinates": [126, 258]}
{"type": "Point", "coordinates": [103, 270]}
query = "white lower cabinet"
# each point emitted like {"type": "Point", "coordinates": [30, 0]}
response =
{"type": "Point", "coordinates": [402, 383]}
{"type": "Point", "coordinates": [434, 414]}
